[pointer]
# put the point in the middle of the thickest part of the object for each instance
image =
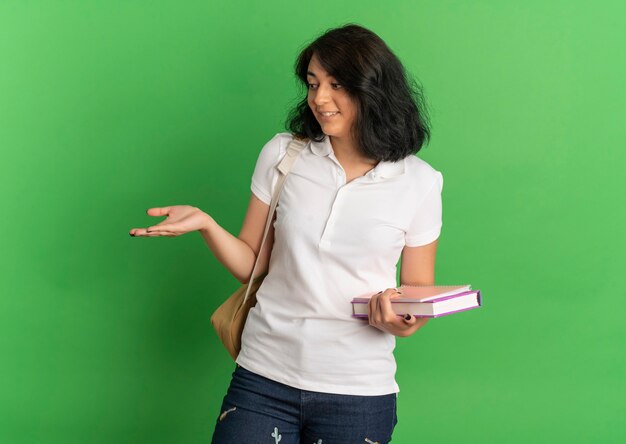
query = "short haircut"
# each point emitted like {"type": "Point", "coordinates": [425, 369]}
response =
{"type": "Point", "coordinates": [391, 121]}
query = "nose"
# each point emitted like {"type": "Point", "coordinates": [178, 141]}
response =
{"type": "Point", "coordinates": [322, 95]}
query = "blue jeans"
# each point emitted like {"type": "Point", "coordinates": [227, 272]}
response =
{"type": "Point", "coordinates": [260, 410]}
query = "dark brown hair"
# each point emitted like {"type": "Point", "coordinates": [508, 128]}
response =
{"type": "Point", "coordinates": [391, 121]}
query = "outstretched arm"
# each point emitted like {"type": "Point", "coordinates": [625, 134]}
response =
{"type": "Point", "coordinates": [237, 254]}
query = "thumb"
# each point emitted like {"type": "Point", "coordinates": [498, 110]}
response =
{"type": "Point", "coordinates": [162, 211]}
{"type": "Point", "coordinates": [409, 319]}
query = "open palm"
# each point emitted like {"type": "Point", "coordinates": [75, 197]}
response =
{"type": "Point", "coordinates": [180, 219]}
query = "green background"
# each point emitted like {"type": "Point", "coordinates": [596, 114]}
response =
{"type": "Point", "coordinates": [108, 108]}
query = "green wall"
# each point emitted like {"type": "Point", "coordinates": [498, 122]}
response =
{"type": "Point", "coordinates": [108, 108]}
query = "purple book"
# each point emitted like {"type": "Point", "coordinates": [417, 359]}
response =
{"type": "Point", "coordinates": [431, 301]}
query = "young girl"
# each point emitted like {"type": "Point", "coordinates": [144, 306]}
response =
{"type": "Point", "coordinates": [356, 200]}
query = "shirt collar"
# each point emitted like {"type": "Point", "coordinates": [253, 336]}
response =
{"type": "Point", "coordinates": [384, 169]}
{"type": "Point", "coordinates": [322, 148]}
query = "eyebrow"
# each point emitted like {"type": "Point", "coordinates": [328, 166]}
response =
{"type": "Point", "coordinates": [309, 73]}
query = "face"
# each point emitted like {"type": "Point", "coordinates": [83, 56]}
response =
{"type": "Point", "coordinates": [327, 96]}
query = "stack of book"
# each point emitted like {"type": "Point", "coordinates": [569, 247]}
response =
{"type": "Point", "coordinates": [430, 301]}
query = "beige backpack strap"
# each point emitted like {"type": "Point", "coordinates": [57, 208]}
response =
{"type": "Point", "coordinates": [294, 149]}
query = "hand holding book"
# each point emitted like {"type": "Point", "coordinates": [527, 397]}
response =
{"type": "Point", "coordinates": [423, 301]}
{"type": "Point", "coordinates": [380, 314]}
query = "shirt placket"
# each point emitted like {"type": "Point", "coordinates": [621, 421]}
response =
{"type": "Point", "coordinates": [342, 193]}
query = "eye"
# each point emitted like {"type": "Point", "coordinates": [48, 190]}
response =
{"type": "Point", "coordinates": [311, 85]}
{"type": "Point", "coordinates": [336, 85]}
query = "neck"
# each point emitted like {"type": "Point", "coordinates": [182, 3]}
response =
{"type": "Point", "coordinates": [346, 152]}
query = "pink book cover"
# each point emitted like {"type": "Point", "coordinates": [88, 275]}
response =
{"type": "Point", "coordinates": [425, 293]}
{"type": "Point", "coordinates": [428, 295]}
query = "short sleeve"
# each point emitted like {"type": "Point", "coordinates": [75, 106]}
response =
{"type": "Point", "coordinates": [265, 173]}
{"type": "Point", "coordinates": [426, 224]}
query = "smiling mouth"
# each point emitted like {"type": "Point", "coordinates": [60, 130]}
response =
{"type": "Point", "coordinates": [329, 114]}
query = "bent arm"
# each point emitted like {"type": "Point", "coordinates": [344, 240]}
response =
{"type": "Point", "coordinates": [418, 264]}
{"type": "Point", "coordinates": [238, 254]}
{"type": "Point", "coordinates": [418, 268]}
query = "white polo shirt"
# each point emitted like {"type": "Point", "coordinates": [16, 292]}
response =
{"type": "Point", "coordinates": [334, 241]}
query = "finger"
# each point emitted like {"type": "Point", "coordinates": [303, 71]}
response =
{"type": "Point", "coordinates": [143, 232]}
{"type": "Point", "coordinates": [376, 314]}
{"type": "Point", "coordinates": [157, 233]}
{"type": "Point", "coordinates": [138, 232]}
{"type": "Point", "coordinates": [160, 227]}
{"type": "Point", "coordinates": [386, 310]}
{"type": "Point", "coordinates": [386, 295]}
{"type": "Point", "coordinates": [376, 306]}
{"type": "Point", "coordinates": [409, 320]}
{"type": "Point", "coordinates": [158, 211]}
{"type": "Point", "coordinates": [397, 294]}
{"type": "Point", "coordinates": [370, 307]}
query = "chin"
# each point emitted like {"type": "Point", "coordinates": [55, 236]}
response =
{"type": "Point", "coordinates": [330, 130]}
{"type": "Point", "coordinates": [336, 134]}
